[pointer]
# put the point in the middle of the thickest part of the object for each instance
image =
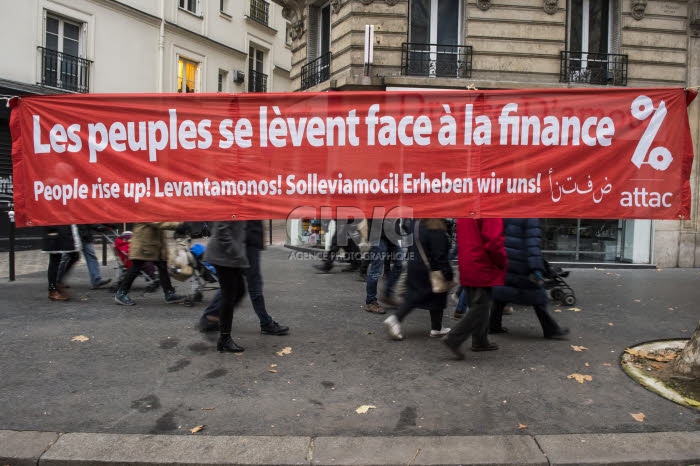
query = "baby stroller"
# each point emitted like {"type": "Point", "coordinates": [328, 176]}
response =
{"type": "Point", "coordinates": [185, 263]}
{"type": "Point", "coordinates": [119, 244]}
{"type": "Point", "coordinates": [556, 285]}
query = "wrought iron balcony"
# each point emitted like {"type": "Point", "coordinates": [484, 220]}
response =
{"type": "Point", "coordinates": [257, 82]}
{"type": "Point", "coordinates": [436, 60]}
{"type": "Point", "coordinates": [316, 71]}
{"type": "Point", "coordinates": [64, 71]}
{"type": "Point", "coordinates": [593, 68]}
{"type": "Point", "coordinates": [260, 11]}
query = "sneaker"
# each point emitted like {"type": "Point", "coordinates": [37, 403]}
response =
{"type": "Point", "coordinates": [458, 315]}
{"type": "Point", "coordinates": [274, 328]}
{"type": "Point", "coordinates": [393, 326]}
{"type": "Point", "coordinates": [122, 298]}
{"type": "Point", "coordinates": [440, 333]}
{"type": "Point", "coordinates": [101, 282]}
{"type": "Point", "coordinates": [55, 295]}
{"type": "Point", "coordinates": [172, 297]}
{"type": "Point", "coordinates": [374, 308]}
{"type": "Point", "coordinates": [389, 300]}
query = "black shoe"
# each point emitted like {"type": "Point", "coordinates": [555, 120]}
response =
{"type": "Point", "coordinates": [323, 268]}
{"type": "Point", "coordinates": [172, 297]}
{"type": "Point", "coordinates": [102, 282]}
{"type": "Point", "coordinates": [274, 328]}
{"type": "Point", "coordinates": [227, 345]}
{"type": "Point", "coordinates": [499, 330]}
{"type": "Point", "coordinates": [205, 325]}
{"type": "Point", "coordinates": [459, 354]}
{"type": "Point", "coordinates": [559, 334]}
{"type": "Point", "coordinates": [486, 347]}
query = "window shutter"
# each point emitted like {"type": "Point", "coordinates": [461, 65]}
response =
{"type": "Point", "coordinates": [312, 36]}
{"type": "Point", "coordinates": [615, 14]}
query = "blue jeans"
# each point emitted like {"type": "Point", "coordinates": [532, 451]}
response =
{"type": "Point", "coordinates": [90, 259]}
{"type": "Point", "coordinates": [255, 290]}
{"type": "Point", "coordinates": [384, 251]}
{"type": "Point", "coordinates": [461, 303]}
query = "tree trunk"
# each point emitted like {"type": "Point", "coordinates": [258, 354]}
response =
{"type": "Point", "coordinates": [689, 361]}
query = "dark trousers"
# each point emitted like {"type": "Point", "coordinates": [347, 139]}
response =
{"type": "Point", "coordinates": [54, 265]}
{"type": "Point", "coordinates": [475, 321]}
{"type": "Point", "coordinates": [549, 325]}
{"type": "Point", "coordinates": [133, 272]}
{"type": "Point", "coordinates": [408, 304]}
{"type": "Point", "coordinates": [232, 290]}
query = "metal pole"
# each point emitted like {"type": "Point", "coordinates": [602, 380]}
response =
{"type": "Point", "coordinates": [11, 214]}
{"type": "Point", "coordinates": [270, 231]}
{"type": "Point", "coordinates": [104, 250]}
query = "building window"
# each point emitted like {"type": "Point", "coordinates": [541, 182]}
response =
{"type": "Point", "coordinates": [594, 43]}
{"type": "Point", "coordinates": [222, 6]}
{"type": "Point", "coordinates": [318, 66]}
{"type": "Point", "coordinates": [191, 5]}
{"type": "Point", "coordinates": [61, 61]}
{"type": "Point", "coordinates": [434, 38]}
{"type": "Point", "coordinates": [257, 79]}
{"type": "Point", "coordinates": [186, 75]}
{"type": "Point", "coordinates": [288, 34]}
{"type": "Point", "coordinates": [221, 85]}
{"type": "Point", "coordinates": [260, 11]}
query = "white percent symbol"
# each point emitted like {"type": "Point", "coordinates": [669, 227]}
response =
{"type": "Point", "coordinates": [659, 157]}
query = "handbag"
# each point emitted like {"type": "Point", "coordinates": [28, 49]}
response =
{"type": "Point", "coordinates": [438, 282]}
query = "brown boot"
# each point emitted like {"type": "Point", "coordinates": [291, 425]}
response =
{"type": "Point", "coordinates": [56, 295]}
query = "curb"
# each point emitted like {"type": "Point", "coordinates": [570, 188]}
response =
{"type": "Point", "coordinates": [56, 449]}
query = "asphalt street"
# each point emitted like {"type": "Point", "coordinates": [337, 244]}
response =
{"type": "Point", "coordinates": [146, 370]}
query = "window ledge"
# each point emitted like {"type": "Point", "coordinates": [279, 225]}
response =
{"type": "Point", "coordinates": [250, 19]}
{"type": "Point", "coordinates": [196, 15]}
{"type": "Point", "coordinates": [225, 15]}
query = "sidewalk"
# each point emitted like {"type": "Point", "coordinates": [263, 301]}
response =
{"type": "Point", "coordinates": [132, 391]}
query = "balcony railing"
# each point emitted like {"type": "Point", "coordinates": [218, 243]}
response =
{"type": "Point", "coordinates": [257, 82]}
{"type": "Point", "coordinates": [64, 71]}
{"type": "Point", "coordinates": [260, 11]}
{"type": "Point", "coordinates": [436, 60]}
{"type": "Point", "coordinates": [316, 71]}
{"type": "Point", "coordinates": [593, 68]}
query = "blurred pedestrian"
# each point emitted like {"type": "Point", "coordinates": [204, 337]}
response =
{"type": "Point", "coordinates": [59, 240]}
{"type": "Point", "coordinates": [226, 252]}
{"type": "Point", "coordinates": [428, 252]}
{"type": "Point", "coordinates": [87, 240]}
{"type": "Point", "coordinates": [482, 265]}
{"type": "Point", "coordinates": [149, 244]}
{"type": "Point", "coordinates": [385, 257]}
{"type": "Point", "coordinates": [524, 283]}
{"type": "Point", "coordinates": [254, 243]}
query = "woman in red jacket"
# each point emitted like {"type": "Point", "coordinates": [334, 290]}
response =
{"type": "Point", "coordinates": [482, 265]}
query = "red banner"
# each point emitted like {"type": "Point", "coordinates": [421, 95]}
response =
{"type": "Point", "coordinates": [565, 153]}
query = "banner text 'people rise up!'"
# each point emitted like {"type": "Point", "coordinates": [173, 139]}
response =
{"type": "Point", "coordinates": [539, 153]}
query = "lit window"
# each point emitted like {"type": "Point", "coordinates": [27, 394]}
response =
{"type": "Point", "coordinates": [186, 76]}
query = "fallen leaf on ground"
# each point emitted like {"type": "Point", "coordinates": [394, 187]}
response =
{"type": "Point", "coordinates": [557, 310]}
{"type": "Point", "coordinates": [610, 324]}
{"type": "Point", "coordinates": [639, 417]}
{"type": "Point", "coordinates": [273, 365]}
{"type": "Point", "coordinates": [637, 300]}
{"type": "Point", "coordinates": [522, 426]}
{"type": "Point", "coordinates": [207, 409]}
{"type": "Point", "coordinates": [274, 371]}
{"type": "Point", "coordinates": [588, 365]}
{"type": "Point", "coordinates": [578, 348]}
{"type": "Point", "coordinates": [656, 366]}
{"type": "Point", "coordinates": [80, 338]}
{"type": "Point", "coordinates": [607, 364]}
{"type": "Point", "coordinates": [670, 308]}
{"type": "Point", "coordinates": [575, 309]}
{"type": "Point", "coordinates": [364, 408]}
{"type": "Point", "coordinates": [661, 356]}
{"type": "Point", "coordinates": [194, 430]}
{"type": "Point", "coordinates": [579, 377]}
{"type": "Point", "coordinates": [287, 350]}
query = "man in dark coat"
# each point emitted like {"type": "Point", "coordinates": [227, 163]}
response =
{"type": "Point", "coordinates": [524, 283]}
{"type": "Point", "coordinates": [59, 240]}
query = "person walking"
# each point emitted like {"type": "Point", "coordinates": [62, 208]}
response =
{"type": "Point", "coordinates": [482, 265]}
{"type": "Point", "coordinates": [226, 252]}
{"type": "Point", "coordinates": [254, 243]}
{"type": "Point", "coordinates": [57, 241]}
{"type": "Point", "coordinates": [386, 257]}
{"type": "Point", "coordinates": [524, 283]}
{"type": "Point", "coordinates": [88, 248]}
{"type": "Point", "coordinates": [149, 244]}
{"type": "Point", "coordinates": [431, 245]}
